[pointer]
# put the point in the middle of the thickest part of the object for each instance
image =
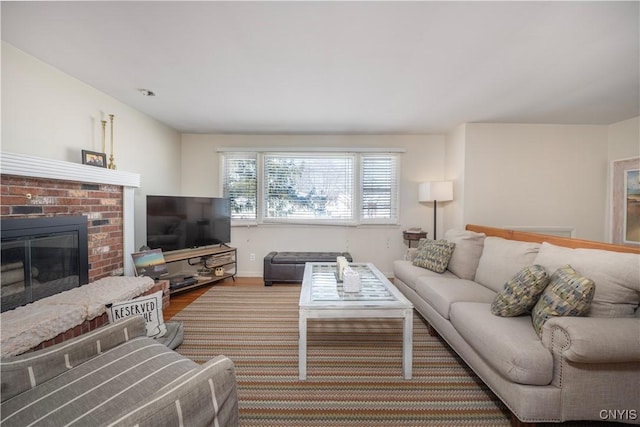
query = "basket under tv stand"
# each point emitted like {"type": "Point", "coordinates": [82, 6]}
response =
{"type": "Point", "coordinates": [210, 256]}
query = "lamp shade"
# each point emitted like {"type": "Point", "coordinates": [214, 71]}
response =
{"type": "Point", "coordinates": [441, 191]}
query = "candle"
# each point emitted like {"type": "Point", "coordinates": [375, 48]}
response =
{"type": "Point", "coordinates": [111, 118]}
{"type": "Point", "coordinates": [351, 280]}
{"type": "Point", "coordinates": [104, 131]}
{"type": "Point", "coordinates": [341, 264]}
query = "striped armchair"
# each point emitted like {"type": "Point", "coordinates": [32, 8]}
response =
{"type": "Point", "coordinates": [116, 376]}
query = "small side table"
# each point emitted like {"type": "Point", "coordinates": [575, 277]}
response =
{"type": "Point", "coordinates": [413, 237]}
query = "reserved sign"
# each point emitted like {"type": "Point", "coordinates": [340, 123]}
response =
{"type": "Point", "coordinates": [148, 306]}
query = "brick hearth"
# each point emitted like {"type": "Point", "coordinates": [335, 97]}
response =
{"type": "Point", "coordinates": [102, 204]}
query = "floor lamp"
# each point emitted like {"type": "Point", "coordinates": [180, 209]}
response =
{"type": "Point", "coordinates": [435, 191]}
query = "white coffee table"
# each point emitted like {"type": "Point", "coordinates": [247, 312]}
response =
{"type": "Point", "coordinates": [322, 297]}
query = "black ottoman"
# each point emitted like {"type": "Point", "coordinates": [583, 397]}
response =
{"type": "Point", "coordinates": [288, 267]}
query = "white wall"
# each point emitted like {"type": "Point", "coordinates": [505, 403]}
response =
{"type": "Point", "coordinates": [47, 113]}
{"type": "Point", "coordinates": [454, 166]}
{"type": "Point", "coordinates": [422, 161]}
{"type": "Point", "coordinates": [537, 175]}
{"type": "Point", "coordinates": [624, 139]}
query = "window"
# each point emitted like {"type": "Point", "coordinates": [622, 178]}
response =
{"type": "Point", "coordinates": [239, 184]}
{"type": "Point", "coordinates": [308, 187]}
{"type": "Point", "coordinates": [312, 188]}
{"type": "Point", "coordinates": [379, 196]}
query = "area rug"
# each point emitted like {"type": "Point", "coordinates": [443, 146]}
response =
{"type": "Point", "coordinates": [354, 368]}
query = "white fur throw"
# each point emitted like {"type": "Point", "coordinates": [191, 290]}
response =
{"type": "Point", "coordinates": [25, 327]}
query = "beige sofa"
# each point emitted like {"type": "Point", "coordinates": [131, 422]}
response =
{"type": "Point", "coordinates": [581, 368]}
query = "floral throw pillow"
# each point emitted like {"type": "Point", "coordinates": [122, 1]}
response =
{"type": "Point", "coordinates": [520, 293]}
{"type": "Point", "coordinates": [568, 294]}
{"type": "Point", "coordinates": [433, 255]}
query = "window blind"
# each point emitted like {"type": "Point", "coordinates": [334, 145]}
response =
{"type": "Point", "coordinates": [308, 187]}
{"type": "Point", "coordinates": [239, 184]}
{"type": "Point", "coordinates": [379, 184]}
{"type": "Point", "coordinates": [312, 188]}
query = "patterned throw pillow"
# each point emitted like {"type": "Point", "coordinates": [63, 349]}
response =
{"type": "Point", "coordinates": [568, 294]}
{"type": "Point", "coordinates": [434, 255]}
{"type": "Point", "coordinates": [520, 293]}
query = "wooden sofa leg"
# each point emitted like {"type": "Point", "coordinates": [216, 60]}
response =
{"type": "Point", "coordinates": [515, 422]}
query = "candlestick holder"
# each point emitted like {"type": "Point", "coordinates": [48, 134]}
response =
{"type": "Point", "coordinates": [112, 164]}
{"type": "Point", "coordinates": [104, 136]}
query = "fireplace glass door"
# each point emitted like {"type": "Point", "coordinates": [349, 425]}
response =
{"type": "Point", "coordinates": [40, 264]}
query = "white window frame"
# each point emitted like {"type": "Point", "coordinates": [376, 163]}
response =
{"type": "Point", "coordinates": [394, 217]}
{"type": "Point", "coordinates": [356, 217]}
{"type": "Point", "coordinates": [352, 220]}
{"type": "Point", "coordinates": [245, 155]}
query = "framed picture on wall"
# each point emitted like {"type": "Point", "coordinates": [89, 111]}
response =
{"type": "Point", "coordinates": [93, 158]}
{"type": "Point", "coordinates": [626, 202]}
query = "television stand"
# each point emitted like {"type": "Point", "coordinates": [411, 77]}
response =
{"type": "Point", "coordinates": [211, 257]}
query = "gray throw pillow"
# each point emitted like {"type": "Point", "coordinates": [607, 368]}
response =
{"type": "Point", "coordinates": [464, 260]}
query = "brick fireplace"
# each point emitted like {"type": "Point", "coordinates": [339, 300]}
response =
{"type": "Point", "coordinates": [33, 187]}
{"type": "Point", "coordinates": [102, 204]}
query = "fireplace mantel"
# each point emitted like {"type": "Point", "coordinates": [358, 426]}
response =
{"type": "Point", "coordinates": [38, 167]}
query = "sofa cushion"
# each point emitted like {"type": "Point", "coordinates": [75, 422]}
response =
{"type": "Point", "coordinates": [434, 255]}
{"type": "Point", "coordinates": [521, 293]}
{"type": "Point", "coordinates": [440, 293]}
{"type": "Point", "coordinates": [501, 259]}
{"type": "Point", "coordinates": [102, 388]}
{"type": "Point", "coordinates": [508, 344]}
{"type": "Point", "coordinates": [616, 275]}
{"type": "Point", "coordinates": [174, 336]}
{"type": "Point", "coordinates": [466, 255]}
{"type": "Point", "coordinates": [21, 373]}
{"type": "Point", "coordinates": [408, 273]}
{"type": "Point", "coordinates": [568, 294]}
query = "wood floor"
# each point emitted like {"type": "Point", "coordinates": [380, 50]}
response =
{"type": "Point", "coordinates": [182, 299]}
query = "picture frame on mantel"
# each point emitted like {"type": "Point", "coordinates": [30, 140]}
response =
{"type": "Point", "coordinates": [625, 218]}
{"type": "Point", "coordinates": [93, 158]}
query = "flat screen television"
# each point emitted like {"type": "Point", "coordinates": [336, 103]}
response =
{"type": "Point", "coordinates": [182, 222]}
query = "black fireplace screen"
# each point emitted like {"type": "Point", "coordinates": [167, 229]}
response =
{"type": "Point", "coordinates": [42, 257]}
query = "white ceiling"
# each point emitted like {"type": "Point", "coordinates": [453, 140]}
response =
{"type": "Point", "coordinates": [344, 67]}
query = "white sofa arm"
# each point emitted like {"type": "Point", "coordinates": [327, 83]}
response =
{"type": "Point", "coordinates": [593, 339]}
